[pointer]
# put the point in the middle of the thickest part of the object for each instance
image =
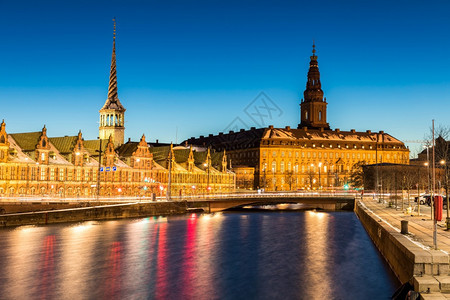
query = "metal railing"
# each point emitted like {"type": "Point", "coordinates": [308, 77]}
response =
{"type": "Point", "coordinates": [120, 199]}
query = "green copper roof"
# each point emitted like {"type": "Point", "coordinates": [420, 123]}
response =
{"type": "Point", "coordinates": [64, 144]}
{"type": "Point", "coordinates": [93, 145]}
{"type": "Point", "coordinates": [127, 149]}
{"type": "Point", "coordinates": [27, 141]}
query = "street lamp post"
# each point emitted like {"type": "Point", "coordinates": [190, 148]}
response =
{"type": "Point", "coordinates": [418, 192]}
{"type": "Point", "coordinates": [433, 207]}
{"type": "Point", "coordinates": [99, 168]}
{"type": "Point", "coordinates": [169, 183]}
{"type": "Point", "coordinates": [207, 179]}
{"type": "Point", "coordinates": [320, 182]}
{"type": "Point", "coordinates": [264, 174]}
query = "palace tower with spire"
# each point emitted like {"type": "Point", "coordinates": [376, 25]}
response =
{"type": "Point", "coordinates": [313, 106]}
{"type": "Point", "coordinates": [112, 121]}
{"type": "Point", "coordinates": [311, 156]}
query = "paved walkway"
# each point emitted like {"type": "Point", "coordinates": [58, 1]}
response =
{"type": "Point", "coordinates": [420, 226]}
{"type": "Point", "coordinates": [420, 231]}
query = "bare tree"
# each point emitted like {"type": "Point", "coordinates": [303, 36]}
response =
{"type": "Point", "coordinates": [357, 174]}
{"type": "Point", "coordinates": [289, 178]}
{"type": "Point", "coordinates": [441, 151]}
{"type": "Point", "coordinates": [310, 177]}
{"type": "Point", "coordinates": [408, 179]}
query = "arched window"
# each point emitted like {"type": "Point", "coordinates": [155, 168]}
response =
{"type": "Point", "coordinates": [306, 115]}
{"type": "Point", "coordinates": [320, 115]}
{"type": "Point", "coordinates": [274, 167]}
{"type": "Point", "coordinates": [282, 167]}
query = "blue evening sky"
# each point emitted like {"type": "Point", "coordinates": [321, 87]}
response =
{"type": "Point", "coordinates": [190, 68]}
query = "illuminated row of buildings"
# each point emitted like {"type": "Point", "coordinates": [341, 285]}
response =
{"type": "Point", "coordinates": [311, 156]}
{"type": "Point", "coordinates": [34, 164]}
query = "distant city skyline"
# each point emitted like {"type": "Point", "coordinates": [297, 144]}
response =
{"type": "Point", "coordinates": [193, 69]}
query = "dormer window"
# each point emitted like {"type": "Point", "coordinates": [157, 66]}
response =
{"type": "Point", "coordinates": [43, 154]}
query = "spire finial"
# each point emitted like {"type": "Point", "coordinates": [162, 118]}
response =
{"type": "Point", "coordinates": [114, 32]}
{"type": "Point", "coordinates": [314, 48]}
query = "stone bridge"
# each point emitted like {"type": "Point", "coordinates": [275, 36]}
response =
{"type": "Point", "coordinates": [325, 201]}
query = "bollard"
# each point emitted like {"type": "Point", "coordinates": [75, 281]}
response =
{"type": "Point", "coordinates": [404, 229]}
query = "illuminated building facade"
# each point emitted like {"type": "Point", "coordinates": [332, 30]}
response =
{"type": "Point", "coordinates": [312, 156]}
{"type": "Point", "coordinates": [34, 164]}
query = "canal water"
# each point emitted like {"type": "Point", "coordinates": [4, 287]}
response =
{"type": "Point", "coordinates": [235, 255]}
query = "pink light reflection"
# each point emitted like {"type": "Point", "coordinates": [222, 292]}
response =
{"type": "Point", "coordinates": [162, 284]}
{"type": "Point", "coordinates": [47, 276]}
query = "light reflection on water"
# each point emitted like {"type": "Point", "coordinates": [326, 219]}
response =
{"type": "Point", "coordinates": [246, 255]}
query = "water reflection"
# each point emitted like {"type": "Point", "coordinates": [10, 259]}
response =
{"type": "Point", "coordinates": [247, 255]}
{"type": "Point", "coordinates": [162, 284]}
{"type": "Point", "coordinates": [317, 267]}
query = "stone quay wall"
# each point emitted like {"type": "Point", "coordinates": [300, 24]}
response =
{"type": "Point", "coordinates": [54, 214]}
{"type": "Point", "coordinates": [405, 258]}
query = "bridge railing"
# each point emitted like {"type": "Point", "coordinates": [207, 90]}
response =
{"type": "Point", "coordinates": [200, 197]}
{"type": "Point", "coordinates": [326, 194]}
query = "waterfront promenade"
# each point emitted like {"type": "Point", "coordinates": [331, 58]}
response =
{"type": "Point", "coordinates": [420, 250]}
{"type": "Point", "coordinates": [420, 226]}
